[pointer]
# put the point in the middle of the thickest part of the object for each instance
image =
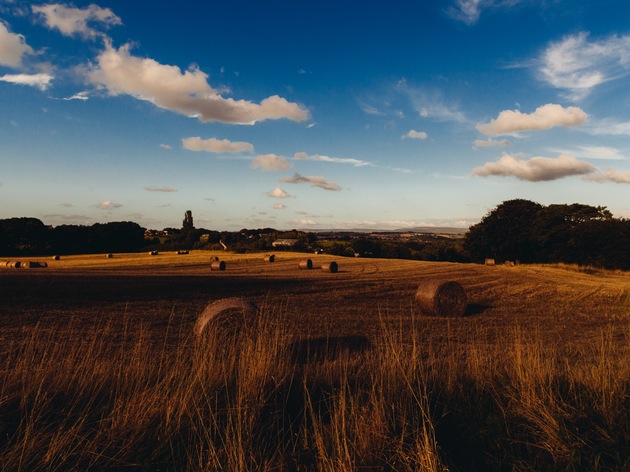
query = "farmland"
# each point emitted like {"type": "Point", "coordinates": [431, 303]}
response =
{"type": "Point", "coordinates": [535, 374]}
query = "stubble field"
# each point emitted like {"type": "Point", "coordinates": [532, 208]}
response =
{"type": "Point", "coordinates": [102, 371]}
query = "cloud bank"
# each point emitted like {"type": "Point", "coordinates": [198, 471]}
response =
{"type": "Point", "coordinates": [12, 48]}
{"type": "Point", "coordinates": [536, 169]}
{"type": "Point", "coordinates": [544, 117]}
{"type": "Point", "coordinates": [187, 93]}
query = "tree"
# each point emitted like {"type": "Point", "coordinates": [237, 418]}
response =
{"type": "Point", "coordinates": [505, 233]}
{"type": "Point", "coordinates": [188, 230]}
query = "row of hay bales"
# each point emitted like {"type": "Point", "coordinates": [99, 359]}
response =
{"type": "Point", "coordinates": [24, 264]}
{"type": "Point", "coordinates": [307, 264]}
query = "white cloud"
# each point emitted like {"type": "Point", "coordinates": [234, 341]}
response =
{"type": "Point", "coordinates": [160, 189]}
{"type": "Point", "coordinates": [593, 152]}
{"type": "Point", "coordinates": [485, 143]}
{"type": "Point", "coordinates": [279, 206]}
{"type": "Point", "coordinates": [40, 81]}
{"type": "Point", "coordinates": [70, 21]}
{"type": "Point", "coordinates": [79, 96]}
{"type": "Point", "coordinates": [218, 146]}
{"type": "Point", "coordinates": [270, 162]}
{"type": "Point", "coordinates": [535, 169]}
{"type": "Point", "coordinates": [610, 127]}
{"type": "Point", "coordinates": [108, 205]}
{"type": "Point", "coordinates": [12, 48]}
{"type": "Point", "coordinates": [334, 160]}
{"type": "Point", "coordinates": [187, 93]}
{"type": "Point", "coordinates": [278, 193]}
{"type": "Point", "coordinates": [467, 11]}
{"type": "Point", "coordinates": [315, 181]}
{"type": "Point", "coordinates": [611, 175]}
{"type": "Point", "coordinates": [578, 65]}
{"type": "Point", "coordinates": [544, 117]}
{"type": "Point", "coordinates": [166, 146]}
{"type": "Point", "coordinates": [413, 134]}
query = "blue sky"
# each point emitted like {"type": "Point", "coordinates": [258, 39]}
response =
{"type": "Point", "coordinates": [326, 114]}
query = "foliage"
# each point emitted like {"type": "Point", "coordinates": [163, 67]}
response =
{"type": "Point", "coordinates": [529, 232]}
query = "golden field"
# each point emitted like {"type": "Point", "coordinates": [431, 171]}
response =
{"type": "Point", "coordinates": [101, 370]}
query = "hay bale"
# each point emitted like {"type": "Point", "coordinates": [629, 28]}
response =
{"type": "Point", "coordinates": [489, 262]}
{"type": "Point", "coordinates": [331, 267]}
{"type": "Point", "coordinates": [509, 263]}
{"type": "Point", "coordinates": [228, 315]}
{"type": "Point", "coordinates": [217, 265]}
{"type": "Point", "coordinates": [214, 258]}
{"type": "Point", "coordinates": [153, 253]}
{"type": "Point", "coordinates": [182, 251]}
{"type": "Point", "coordinates": [441, 298]}
{"type": "Point", "coordinates": [55, 258]}
{"type": "Point", "coordinates": [306, 264]}
{"type": "Point", "coordinates": [109, 256]}
{"type": "Point", "coordinates": [31, 265]}
{"type": "Point", "coordinates": [270, 258]}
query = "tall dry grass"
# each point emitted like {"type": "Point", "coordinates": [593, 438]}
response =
{"type": "Point", "coordinates": [115, 397]}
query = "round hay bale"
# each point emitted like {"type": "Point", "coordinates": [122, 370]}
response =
{"type": "Point", "coordinates": [489, 262]}
{"type": "Point", "coordinates": [228, 315]}
{"type": "Point", "coordinates": [43, 264]}
{"type": "Point", "coordinates": [441, 298]}
{"type": "Point", "coordinates": [217, 265]}
{"type": "Point", "coordinates": [306, 264]}
{"type": "Point", "coordinates": [109, 256]}
{"type": "Point", "coordinates": [153, 253]}
{"type": "Point", "coordinates": [17, 264]}
{"type": "Point", "coordinates": [55, 258]}
{"type": "Point", "coordinates": [331, 267]}
{"type": "Point", "coordinates": [270, 258]}
{"type": "Point", "coordinates": [509, 263]}
{"type": "Point", "coordinates": [214, 258]}
{"type": "Point", "coordinates": [182, 251]}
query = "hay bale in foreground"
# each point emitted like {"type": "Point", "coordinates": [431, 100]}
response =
{"type": "Point", "coordinates": [489, 262]}
{"type": "Point", "coordinates": [331, 267]}
{"type": "Point", "coordinates": [270, 258]}
{"type": "Point", "coordinates": [218, 265]}
{"type": "Point", "coordinates": [436, 297]}
{"type": "Point", "coordinates": [228, 315]}
{"type": "Point", "coordinates": [306, 264]}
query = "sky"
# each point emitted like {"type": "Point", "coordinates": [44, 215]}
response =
{"type": "Point", "coordinates": [311, 114]}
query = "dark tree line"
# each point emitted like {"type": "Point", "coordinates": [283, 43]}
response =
{"type": "Point", "coordinates": [529, 232]}
{"type": "Point", "coordinates": [29, 236]}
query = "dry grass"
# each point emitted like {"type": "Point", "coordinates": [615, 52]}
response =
{"type": "Point", "coordinates": [100, 371]}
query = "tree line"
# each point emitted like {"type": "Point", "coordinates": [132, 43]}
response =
{"type": "Point", "coordinates": [522, 230]}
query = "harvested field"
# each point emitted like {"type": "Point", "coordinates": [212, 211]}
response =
{"type": "Point", "coordinates": [343, 371]}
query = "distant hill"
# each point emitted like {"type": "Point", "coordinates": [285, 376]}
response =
{"type": "Point", "coordinates": [416, 229]}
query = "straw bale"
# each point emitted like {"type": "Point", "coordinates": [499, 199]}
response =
{"type": "Point", "coordinates": [214, 258]}
{"type": "Point", "coordinates": [229, 316]}
{"type": "Point", "coordinates": [153, 253]}
{"type": "Point", "coordinates": [331, 267]}
{"type": "Point", "coordinates": [509, 263]}
{"type": "Point", "coordinates": [306, 264]}
{"type": "Point", "coordinates": [489, 262]}
{"type": "Point", "coordinates": [55, 258]}
{"type": "Point", "coordinates": [110, 255]}
{"type": "Point", "coordinates": [217, 265]}
{"type": "Point", "coordinates": [441, 298]}
{"type": "Point", "coordinates": [270, 258]}
{"type": "Point", "coordinates": [182, 251]}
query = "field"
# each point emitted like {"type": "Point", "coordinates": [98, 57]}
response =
{"type": "Point", "coordinates": [101, 370]}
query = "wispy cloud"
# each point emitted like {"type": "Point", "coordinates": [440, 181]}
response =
{"type": "Point", "coordinates": [40, 81]}
{"type": "Point", "coordinates": [577, 64]}
{"type": "Point", "coordinates": [71, 21]}
{"type": "Point", "coordinates": [270, 162]}
{"type": "Point", "coordinates": [187, 93]}
{"type": "Point", "coordinates": [487, 143]}
{"type": "Point", "coordinates": [83, 96]}
{"type": "Point", "coordinates": [168, 147]}
{"type": "Point", "coordinates": [544, 117]}
{"type": "Point", "coordinates": [279, 206]}
{"type": "Point", "coordinates": [469, 11]}
{"type": "Point", "coordinates": [535, 169]}
{"type": "Point", "coordinates": [160, 189]}
{"type": "Point", "coordinates": [218, 146]}
{"type": "Point", "coordinates": [609, 127]}
{"type": "Point", "coordinates": [335, 160]}
{"type": "Point", "coordinates": [413, 134]}
{"type": "Point", "coordinates": [314, 181]}
{"type": "Point", "coordinates": [592, 152]}
{"type": "Point", "coordinates": [430, 103]}
{"type": "Point", "coordinates": [611, 175]}
{"type": "Point", "coordinates": [12, 48]}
